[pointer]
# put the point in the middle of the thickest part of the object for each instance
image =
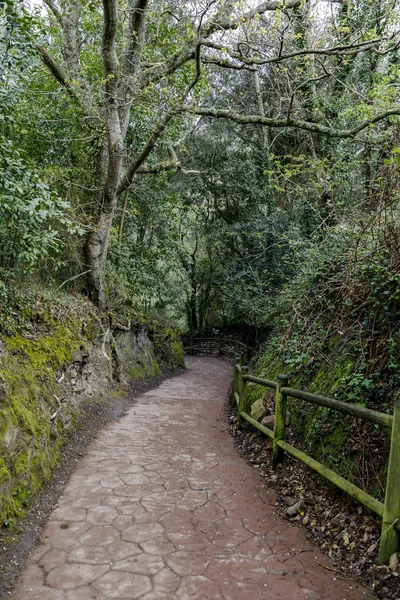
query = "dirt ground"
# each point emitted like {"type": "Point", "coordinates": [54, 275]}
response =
{"type": "Point", "coordinates": [346, 532]}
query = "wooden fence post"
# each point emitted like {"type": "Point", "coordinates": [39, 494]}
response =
{"type": "Point", "coordinates": [191, 347]}
{"type": "Point", "coordinates": [242, 394]}
{"type": "Point", "coordinates": [236, 361]}
{"type": "Point", "coordinates": [280, 420]}
{"type": "Point", "coordinates": [390, 536]}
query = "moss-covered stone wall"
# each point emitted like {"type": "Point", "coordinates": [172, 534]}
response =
{"type": "Point", "coordinates": [47, 372]}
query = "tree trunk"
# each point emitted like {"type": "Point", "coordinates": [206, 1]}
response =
{"type": "Point", "coordinates": [193, 324]}
{"type": "Point", "coordinates": [99, 238]}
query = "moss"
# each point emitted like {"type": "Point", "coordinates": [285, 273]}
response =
{"type": "Point", "coordinates": [27, 437]}
{"type": "Point", "coordinates": [148, 367]}
{"type": "Point", "coordinates": [167, 342]}
{"type": "Point", "coordinates": [10, 509]}
{"type": "Point", "coordinates": [116, 392]}
{"type": "Point", "coordinates": [175, 354]}
{"type": "Point", "coordinates": [322, 430]}
{"type": "Point", "coordinates": [4, 472]}
{"type": "Point", "coordinates": [30, 442]}
{"type": "Point", "coordinates": [48, 351]}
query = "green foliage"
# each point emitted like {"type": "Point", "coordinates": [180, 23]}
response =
{"type": "Point", "coordinates": [336, 334]}
{"type": "Point", "coordinates": [31, 216]}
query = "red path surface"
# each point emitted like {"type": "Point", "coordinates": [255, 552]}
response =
{"type": "Point", "coordinates": [162, 507]}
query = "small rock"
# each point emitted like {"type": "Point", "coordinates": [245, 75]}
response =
{"type": "Point", "coordinates": [289, 500]}
{"type": "Point", "coordinates": [293, 510]}
{"type": "Point", "coordinates": [394, 561]}
{"type": "Point", "coordinates": [268, 422]}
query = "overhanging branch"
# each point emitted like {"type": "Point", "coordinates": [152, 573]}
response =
{"type": "Point", "coordinates": [57, 71]}
{"type": "Point", "coordinates": [159, 130]}
{"type": "Point", "coordinates": [229, 24]}
{"type": "Point", "coordinates": [340, 50]}
{"type": "Point", "coordinates": [219, 23]}
{"type": "Point", "coordinates": [295, 123]}
{"type": "Point", "coordinates": [173, 164]}
{"type": "Point", "coordinates": [54, 9]}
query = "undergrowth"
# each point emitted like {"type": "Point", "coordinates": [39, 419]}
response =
{"type": "Point", "coordinates": [338, 334]}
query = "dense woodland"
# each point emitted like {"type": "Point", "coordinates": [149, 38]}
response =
{"type": "Point", "coordinates": [215, 165]}
{"type": "Point", "coordinates": [219, 163]}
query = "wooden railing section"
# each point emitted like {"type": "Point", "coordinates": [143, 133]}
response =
{"type": "Point", "coordinates": [389, 511]}
{"type": "Point", "coordinates": [218, 345]}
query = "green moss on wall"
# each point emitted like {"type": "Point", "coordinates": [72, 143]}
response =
{"type": "Point", "coordinates": [43, 341]}
{"type": "Point", "coordinates": [167, 342]}
{"type": "Point", "coordinates": [29, 440]}
{"type": "Point", "coordinates": [144, 368]}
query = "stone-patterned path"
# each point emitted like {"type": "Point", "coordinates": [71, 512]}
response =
{"type": "Point", "coordinates": [162, 507]}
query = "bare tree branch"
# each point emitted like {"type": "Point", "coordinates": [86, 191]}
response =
{"type": "Point", "coordinates": [131, 63]}
{"type": "Point", "coordinates": [159, 168]}
{"type": "Point", "coordinates": [229, 24]}
{"type": "Point", "coordinates": [174, 62]}
{"type": "Point", "coordinates": [172, 164]}
{"type": "Point", "coordinates": [69, 23]}
{"type": "Point", "coordinates": [54, 9]}
{"type": "Point", "coordinates": [342, 50]}
{"type": "Point", "coordinates": [295, 123]}
{"type": "Point", "coordinates": [159, 130]}
{"type": "Point", "coordinates": [68, 15]}
{"type": "Point", "coordinates": [150, 145]}
{"type": "Point", "coordinates": [226, 64]}
{"type": "Point", "coordinates": [57, 71]}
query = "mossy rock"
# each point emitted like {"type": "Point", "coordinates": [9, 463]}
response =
{"type": "Point", "coordinates": [258, 410]}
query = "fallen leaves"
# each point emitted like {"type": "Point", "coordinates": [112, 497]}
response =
{"type": "Point", "coordinates": [347, 532]}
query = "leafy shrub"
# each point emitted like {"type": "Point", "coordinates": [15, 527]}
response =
{"type": "Point", "coordinates": [31, 215]}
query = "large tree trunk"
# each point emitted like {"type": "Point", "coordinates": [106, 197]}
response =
{"type": "Point", "coordinates": [117, 118]}
{"type": "Point", "coordinates": [96, 257]}
{"type": "Point", "coordinates": [99, 238]}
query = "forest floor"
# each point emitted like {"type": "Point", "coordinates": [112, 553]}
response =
{"type": "Point", "coordinates": [161, 507]}
{"type": "Point", "coordinates": [345, 531]}
{"type": "Point", "coordinates": [17, 543]}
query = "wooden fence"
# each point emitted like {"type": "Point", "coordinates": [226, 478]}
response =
{"type": "Point", "coordinates": [217, 345]}
{"type": "Point", "coordinates": [389, 511]}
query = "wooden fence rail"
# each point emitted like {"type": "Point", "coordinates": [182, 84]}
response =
{"type": "Point", "coordinates": [389, 511]}
{"type": "Point", "coordinates": [221, 345]}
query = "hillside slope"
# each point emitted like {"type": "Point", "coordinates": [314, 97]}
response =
{"type": "Point", "coordinates": [337, 334]}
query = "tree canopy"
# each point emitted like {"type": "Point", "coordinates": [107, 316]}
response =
{"type": "Point", "coordinates": [192, 157]}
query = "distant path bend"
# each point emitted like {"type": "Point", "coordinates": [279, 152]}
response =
{"type": "Point", "coordinates": [161, 507]}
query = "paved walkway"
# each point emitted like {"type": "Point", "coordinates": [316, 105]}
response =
{"type": "Point", "coordinates": [162, 507]}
